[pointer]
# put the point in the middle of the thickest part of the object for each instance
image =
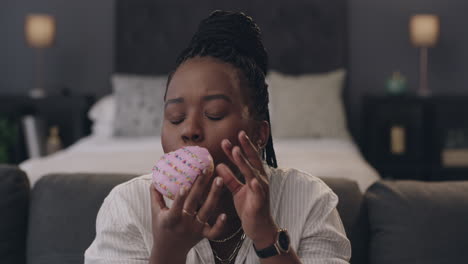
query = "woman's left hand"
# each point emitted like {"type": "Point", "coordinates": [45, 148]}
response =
{"type": "Point", "coordinates": [252, 199]}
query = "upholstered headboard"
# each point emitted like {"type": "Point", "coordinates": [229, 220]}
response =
{"type": "Point", "coordinates": [301, 36]}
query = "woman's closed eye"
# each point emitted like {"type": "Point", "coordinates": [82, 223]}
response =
{"type": "Point", "coordinates": [215, 116]}
{"type": "Point", "coordinates": [175, 120]}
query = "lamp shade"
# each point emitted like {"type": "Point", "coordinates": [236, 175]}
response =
{"type": "Point", "coordinates": [424, 30]}
{"type": "Point", "coordinates": [39, 30]}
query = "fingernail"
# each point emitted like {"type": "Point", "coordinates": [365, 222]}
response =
{"type": "Point", "coordinates": [245, 134]}
{"type": "Point", "coordinates": [229, 144]}
{"type": "Point", "coordinates": [223, 217]}
{"type": "Point", "coordinates": [182, 191]}
{"type": "Point", "coordinates": [238, 152]}
{"type": "Point", "coordinates": [204, 171]}
{"type": "Point", "coordinates": [219, 182]}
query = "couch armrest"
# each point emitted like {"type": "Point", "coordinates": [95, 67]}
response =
{"type": "Point", "coordinates": [418, 222]}
{"type": "Point", "coordinates": [14, 202]}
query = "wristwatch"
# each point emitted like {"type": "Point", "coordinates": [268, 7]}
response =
{"type": "Point", "coordinates": [281, 246]}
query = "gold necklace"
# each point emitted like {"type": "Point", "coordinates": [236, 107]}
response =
{"type": "Point", "coordinates": [233, 254]}
{"type": "Point", "coordinates": [227, 238]}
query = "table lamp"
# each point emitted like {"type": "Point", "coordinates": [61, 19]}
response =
{"type": "Point", "coordinates": [424, 32]}
{"type": "Point", "coordinates": [40, 33]}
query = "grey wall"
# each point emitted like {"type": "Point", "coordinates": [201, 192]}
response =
{"type": "Point", "coordinates": [83, 55]}
{"type": "Point", "coordinates": [379, 44]}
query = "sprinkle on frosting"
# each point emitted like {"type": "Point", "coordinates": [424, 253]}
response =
{"type": "Point", "coordinates": [194, 156]}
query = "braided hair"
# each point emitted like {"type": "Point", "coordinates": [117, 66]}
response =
{"type": "Point", "coordinates": [234, 38]}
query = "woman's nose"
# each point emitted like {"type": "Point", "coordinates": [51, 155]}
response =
{"type": "Point", "coordinates": [192, 131]}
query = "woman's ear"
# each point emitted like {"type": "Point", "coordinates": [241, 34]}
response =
{"type": "Point", "coordinates": [262, 134]}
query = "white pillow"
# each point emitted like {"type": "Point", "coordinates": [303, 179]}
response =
{"type": "Point", "coordinates": [308, 105]}
{"type": "Point", "coordinates": [102, 114]}
{"type": "Point", "coordinates": [139, 104]}
{"type": "Point", "coordinates": [103, 109]}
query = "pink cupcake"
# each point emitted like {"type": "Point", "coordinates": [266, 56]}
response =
{"type": "Point", "coordinates": [181, 168]}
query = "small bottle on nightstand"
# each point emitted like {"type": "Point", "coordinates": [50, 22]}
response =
{"type": "Point", "coordinates": [54, 143]}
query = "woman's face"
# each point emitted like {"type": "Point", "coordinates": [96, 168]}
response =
{"type": "Point", "coordinates": [206, 103]}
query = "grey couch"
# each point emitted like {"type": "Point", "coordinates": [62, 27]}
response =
{"type": "Point", "coordinates": [393, 222]}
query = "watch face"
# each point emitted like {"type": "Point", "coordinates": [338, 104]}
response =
{"type": "Point", "coordinates": [283, 240]}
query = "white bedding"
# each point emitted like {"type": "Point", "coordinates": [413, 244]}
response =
{"type": "Point", "coordinates": [322, 158]}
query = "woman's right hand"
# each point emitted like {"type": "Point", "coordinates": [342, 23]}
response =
{"type": "Point", "coordinates": [177, 229]}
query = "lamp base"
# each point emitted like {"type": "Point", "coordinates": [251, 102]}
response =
{"type": "Point", "coordinates": [424, 93]}
{"type": "Point", "coordinates": [423, 90]}
{"type": "Point", "coordinates": [37, 93]}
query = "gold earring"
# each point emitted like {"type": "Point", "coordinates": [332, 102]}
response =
{"type": "Point", "coordinates": [259, 144]}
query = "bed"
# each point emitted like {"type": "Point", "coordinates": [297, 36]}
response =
{"type": "Point", "coordinates": [307, 46]}
{"type": "Point", "coordinates": [321, 157]}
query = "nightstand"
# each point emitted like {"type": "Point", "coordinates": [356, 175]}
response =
{"type": "Point", "coordinates": [421, 138]}
{"type": "Point", "coordinates": [68, 113]}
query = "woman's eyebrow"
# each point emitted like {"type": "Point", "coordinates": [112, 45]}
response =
{"type": "Point", "coordinates": [174, 101]}
{"type": "Point", "coordinates": [217, 96]}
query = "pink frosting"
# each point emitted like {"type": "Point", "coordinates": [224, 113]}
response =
{"type": "Point", "coordinates": [180, 168]}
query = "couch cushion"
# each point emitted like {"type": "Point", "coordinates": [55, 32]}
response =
{"type": "Point", "coordinates": [418, 222]}
{"type": "Point", "coordinates": [353, 214]}
{"type": "Point", "coordinates": [14, 201]}
{"type": "Point", "coordinates": [63, 215]}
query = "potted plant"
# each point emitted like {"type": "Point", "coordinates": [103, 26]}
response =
{"type": "Point", "coordinates": [8, 134]}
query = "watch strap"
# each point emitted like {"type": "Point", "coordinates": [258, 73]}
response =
{"type": "Point", "coordinates": [267, 252]}
{"type": "Point", "coordinates": [274, 249]}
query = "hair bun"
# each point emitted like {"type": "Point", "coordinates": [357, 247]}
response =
{"type": "Point", "coordinates": [232, 30]}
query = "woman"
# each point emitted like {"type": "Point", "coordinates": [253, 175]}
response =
{"type": "Point", "coordinates": [248, 211]}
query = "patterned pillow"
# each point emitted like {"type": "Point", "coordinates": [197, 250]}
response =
{"type": "Point", "coordinates": [308, 105]}
{"type": "Point", "coordinates": [139, 105]}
